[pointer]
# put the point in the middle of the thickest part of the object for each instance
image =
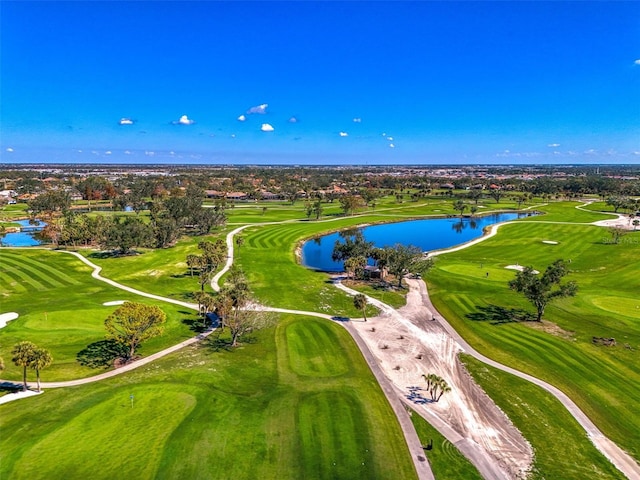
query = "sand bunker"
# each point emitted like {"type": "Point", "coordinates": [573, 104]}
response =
{"type": "Point", "coordinates": [115, 302]}
{"type": "Point", "coordinates": [550, 242]}
{"type": "Point", "coordinates": [7, 317]}
{"type": "Point", "coordinates": [519, 268]}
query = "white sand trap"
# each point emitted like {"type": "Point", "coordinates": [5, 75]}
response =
{"type": "Point", "coordinates": [519, 268]}
{"type": "Point", "coordinates": [115, 302]}
{"type": "Point", "coordinates": [10, 397]}
{"type": "Point", "coordinates": [7, 317]}
{"type": "Point", "coordinates": [550, 242]}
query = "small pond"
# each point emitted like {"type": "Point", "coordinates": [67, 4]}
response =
{"type": "Point", "coordinates": [22, 239]}
{"type": "Point", "coordinates": [429, 234]}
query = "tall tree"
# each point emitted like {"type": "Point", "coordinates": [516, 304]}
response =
{"type": "Point", "coordinates": [617, 202]}
{"type": "Point", "coordinates": [616, 234]}
{"type": "Point", "coordinates": [22, 355]}
{"type": "Point", "coordinates": [232, 307]}
{"type": "Point", "coordinates": [459, 206]}
{"type": "Point", "coordinates": [40, 359]}
{"type": "Point", "coordinates": [497, 195]}
{"type": "Point", "coordinates": [125, 233]}
{"type": "Point", "coordinates": [541, 289]}
{"type": "Point", "coordinates": [133, 323]}
{"type": "Point", "coordinates": [407, 259]}
{"type": "Point", "coordinates": [360, 302]}
{"type": "Point", "coordinates": [354, 245]}
{"type": "Point", "coordinates": [350, 203]}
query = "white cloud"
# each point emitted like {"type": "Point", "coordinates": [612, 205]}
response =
{"type": "Point", "coordinates": [293, 120]}
{"type": "Point", "coordinates": [390, 139]}
{"type": "Point", "coordinates": [125, 121]}
{"type": "Point", "coordinates": [127, 152]}
{"type": "Point", "coordinates": [357, 120]}
{"type": "Point", "coordinates": [553, 145]}
{"type": "Point", "coordinates": [267, 127]}
{"type": "Point", "coordinates": [259, 109]}
{"type": "Point", "coordinates": [149, 153]}
{"type": "Point", "coordinates": [591, 151]}
{"type": "Point", "coordinates": [184, 120]}
{"type": "Point", "coordinates": [637, 62]}
{"type": "Point", "coordinates": [9, 149]}
{"type": "Point", "coordinates": [242, 118]}
{"type": "Point", "coordinates": [108, 152]}
{"type": "Point", "coordinates": [343, 134]}
{"type": "Point", "coordinates": [391, 145]}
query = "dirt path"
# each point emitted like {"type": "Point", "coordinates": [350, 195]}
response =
{"type": "Point", "coordinates": [406, 344]}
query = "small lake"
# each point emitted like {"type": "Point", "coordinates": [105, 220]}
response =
{"type": "Point", "coordinates": [429, 234]}
{"type": "Point", "coordinates": [22, 239]}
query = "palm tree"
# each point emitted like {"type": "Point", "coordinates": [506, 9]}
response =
{"type": "Point", "coordinates": [40, 359]}
{"type": "Point", "coordinates": [360, 302]}
{"type": "Point", "coordinates": [430, 379]}
{"type": "Point", "coordinates": [444, 388]}
{"type": "Point", "coordinates": [22, 354]}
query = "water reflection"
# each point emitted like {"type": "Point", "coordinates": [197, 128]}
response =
{"type": "Point", "coordinates": [431, 234]}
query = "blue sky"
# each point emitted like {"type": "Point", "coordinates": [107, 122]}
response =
{"type": "Point", "coordinates": [367, 82]}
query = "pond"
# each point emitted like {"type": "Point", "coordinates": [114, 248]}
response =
{"type": "Point", "coordinates": [22, 239]}
{"type": "Point", "coordinates": [428, 234]}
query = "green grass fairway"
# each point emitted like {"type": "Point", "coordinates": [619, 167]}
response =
{"type": "Point", "coordinates": [60, 308]}
{"type": "Point", "coordinates": [603, 381]}
{"type": "Point", "coordinates": [162, 271]}
{"type": "Point", "coordinates": [206, 413]}
{"type": "Point", "coordinates": [567, 212]}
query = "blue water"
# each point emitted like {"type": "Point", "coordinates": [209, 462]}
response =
{"type": "Point", "coordinates": [21, 239]}
{"type": "Point", "coordinates": [431, 234]}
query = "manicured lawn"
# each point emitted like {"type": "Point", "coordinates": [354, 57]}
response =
{"type": "Point", "coordinates": [566, 212]}
{"type": "Point", "coordinates": [447, 463]}
{"type": "Point", "coordinates": [602, 380]}
{"type": "Point", "coordinates": [388, 294]}
{"type": "Point", "coordinates": [11, 212]}
{"type": "Point", "coordinates": [60, 308]}
{"type": "Point", "coordinates": [162, 271]}
{"type": "Point", "coordinates": [210, 413]}
{"type": "Point", "coordinates": [562, 448]}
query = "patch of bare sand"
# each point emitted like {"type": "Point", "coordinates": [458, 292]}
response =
{"type": "Point", "coordinates": [408, 344]}
{"type": "Point", "coordinates": [551, 328]}
{"type": "Point", "coordinates": [623, 221]}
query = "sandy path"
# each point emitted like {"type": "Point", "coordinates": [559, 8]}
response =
{"type": "Point", "coordinates": [466, 416]}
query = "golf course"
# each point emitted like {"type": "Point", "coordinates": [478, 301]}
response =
{"type": "Point", "coordinates": [297, 399]}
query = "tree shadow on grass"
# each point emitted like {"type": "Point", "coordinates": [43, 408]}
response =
{"type": "Point", "coordinates": [218, 342]}
{"type": "Point", "coordinates": [497, 315]}
{"type": "Point", "coordinates": [10, 387]}
{"type": "Point", "coordinates": [101, 354]}
{"type": "Point", "coordinates": [113, 254]}
{"type": "Point", "coordinates": [196, 324]}
{"type": "Point", "coordinates": [185, 275]}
